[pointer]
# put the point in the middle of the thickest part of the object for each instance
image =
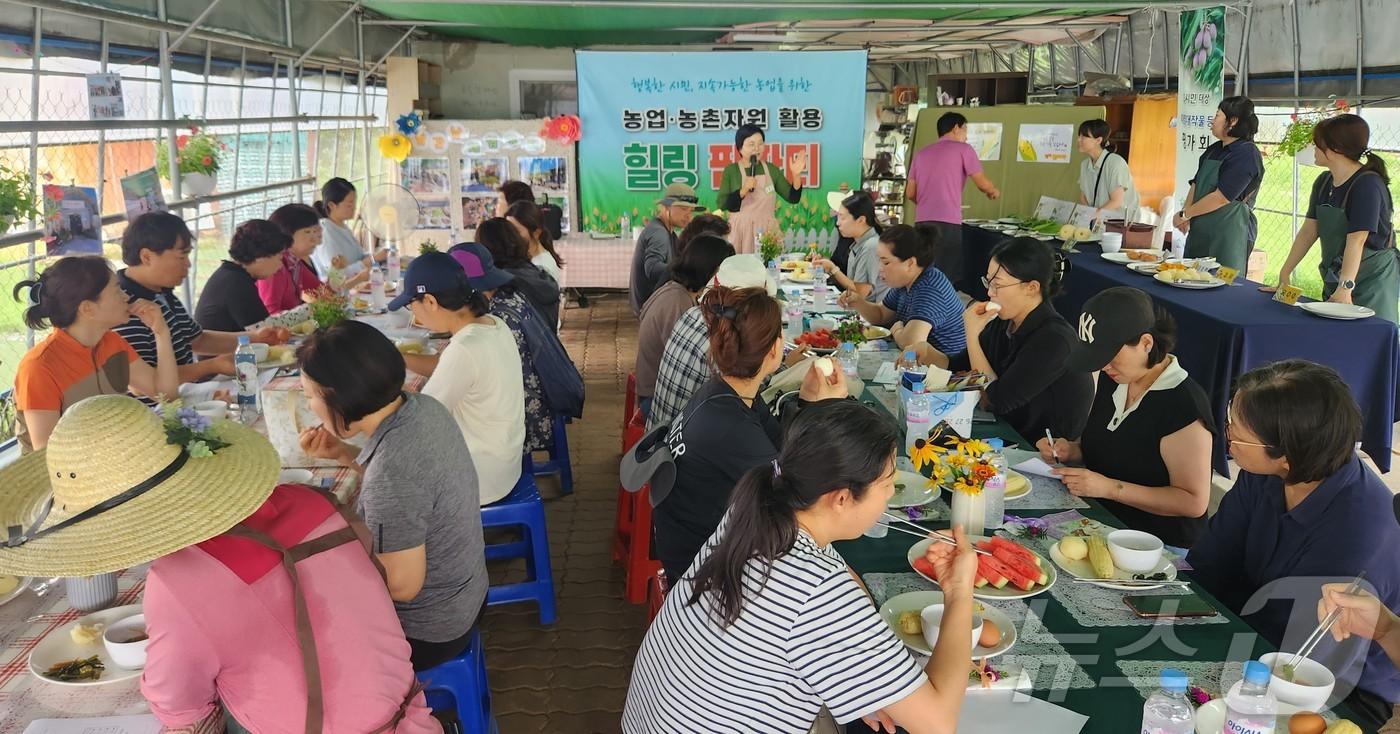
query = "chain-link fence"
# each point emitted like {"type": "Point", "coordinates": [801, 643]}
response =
{"type": "Point", "coordinates": [270, 159]}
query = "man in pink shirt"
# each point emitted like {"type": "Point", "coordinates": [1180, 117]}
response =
{"type": "Point", "coordinates": [936, 179]}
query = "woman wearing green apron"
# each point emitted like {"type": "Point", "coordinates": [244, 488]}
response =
{"type": "Point", "coordinates": [750, 188]}
{"type": "Point", "coordinates": [1217, 215]}
{"type": "Point", "coordinates": [1350, 211]}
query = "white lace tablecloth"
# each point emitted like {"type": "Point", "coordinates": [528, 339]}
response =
{"type": "Point", "coordinates": [1037, 652]}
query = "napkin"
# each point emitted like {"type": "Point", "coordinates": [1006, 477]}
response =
{"type": "Point", "coordinates": [887, 374]}
{"type": "Point", "coordinates": [1036, 466]}
{"type": "Point", "coordinates": [1001, 711]}
{"type": "Point", "coordinates": [143, 724]}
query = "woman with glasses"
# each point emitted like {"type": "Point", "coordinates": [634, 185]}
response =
{"type": "Point", "coordinates": [1145, 449]}
{"type": "Point", "coordinates": [1304, 510]}
{"type": "Point", "coordinates": [1018, 340]}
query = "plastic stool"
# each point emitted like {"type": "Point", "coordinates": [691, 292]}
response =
{"type": "Point", "coordinates": [559, 462]}
{"type": "Point", "coordinates": [629, 405]}
{"type": "Point", "coordinates": [460, 685]}
{"type": "Point", "coordinates": [522, 508]}
{"type": "Point", "coordinates": [632, 542]}
{"type": "Point", "coordinates": [656, 594]}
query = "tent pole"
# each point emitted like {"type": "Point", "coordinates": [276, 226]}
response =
{"type": "Point", "coordinates": [1360, 36]}
{"type": "Point", "coordinates": [1297, 63]}
{"type": "Point", "coordinates": [1242, 65]}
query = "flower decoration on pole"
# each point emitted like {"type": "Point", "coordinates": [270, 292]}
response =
{"type": "Point", "coordinates": [1299, 133]}
{"type": "Point", "coordinates": [566, 129]}
{"type": "Point", "coordinates": [395, 147]}
{"type": "Point", "coordinates": [410, 123]}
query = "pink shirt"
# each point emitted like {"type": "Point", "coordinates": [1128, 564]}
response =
{"type": "Point", "coordinates": [282, 292]}
{"type": "Point", "coordinates": [221, 622]}
{"type": "Point", "coordinates": [939, 172]}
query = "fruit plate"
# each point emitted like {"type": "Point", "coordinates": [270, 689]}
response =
{"type": "Point", "coordinates": [59, 646]}
{"type": "Point", "coordinates": [278, 357]}
{"type": "Point", "coordinates": [804, 276]}
{"type": "Point", "coordinates": [817, 351]}
{"type": "Point", "coordinates": [917, 601]}
{"type": "Point", "coordinates": [1082, 569]}
{"type": "Point", "coordinates": [875, 332]}
{"type": "Point", "coordinates": [1142, 268]}
{"type": "Point", "coordinates": [911, 490]}
{"type": "Point", "coordinates": [12, 592]}
{"type": "Point", "coordinates": [1342, 311]}
{"type": "Point", "coordinates": [1010, 591]}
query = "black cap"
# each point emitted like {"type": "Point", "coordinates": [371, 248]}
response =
{"type": "Point", "coordinates": [1110, 320]}
{"type": "Point", "coordinates": [431, 272]}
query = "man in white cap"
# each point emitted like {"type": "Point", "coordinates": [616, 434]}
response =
{"type": "Point", "coordinates": [657, 245]}
{"type": "Point", "coordinates": [685, 364]}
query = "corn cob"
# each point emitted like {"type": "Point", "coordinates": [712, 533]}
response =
{"type": "Point", "coordinates": [1099, 557]}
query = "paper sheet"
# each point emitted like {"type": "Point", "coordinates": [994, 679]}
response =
{"type": "Point", "coordinates": [144, 724]}
{"type": "Point", "coordinates": [887, 374]}
{"type": "Point", "coordinates": [1036, 466]}
{"type": "Point", "coordinates": [1012, 712]}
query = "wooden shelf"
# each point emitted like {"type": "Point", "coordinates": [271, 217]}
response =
{"type": "Point", "coordinates": [989, 89]}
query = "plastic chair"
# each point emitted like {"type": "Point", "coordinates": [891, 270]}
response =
{"type": "Point", "coordinates": [632, 542]}
{"type": "Point", "coordinates": [657, 589]}
{"type": "Point", "coordinates": [559, 462]}
{"type": "Point", "coordinates": [524, 509]}
{"type": "Point", "coordinates": [460, 685]}
{"type": "Point", "coordinates": [629, 404]}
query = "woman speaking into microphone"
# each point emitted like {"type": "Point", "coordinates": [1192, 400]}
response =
{"type": "Point", "coordinates": [750, 188]}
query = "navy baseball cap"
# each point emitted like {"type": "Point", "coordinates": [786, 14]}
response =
{"type": "Point", "coordinates": [431, 272]}
{"type": "Point", "coordinates": [480, 267]}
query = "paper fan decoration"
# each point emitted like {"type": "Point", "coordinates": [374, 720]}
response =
{"type": "Point", "coordinates": [565, 129]}
{"type": "Point", "coordinates": [512, 139]}
{"type": "Point", "coordinates": [395, 147]}
{"type": "Point", "coordinates": [533, 144]}
{"type": "Point", "coordinates": [492, 141]}
{"type": "Point", "coordinates": [437, 143]}
{"type": "Point", "coordinates": [410, 123]}
{"type": "Point", "coordinates": [457, 132]}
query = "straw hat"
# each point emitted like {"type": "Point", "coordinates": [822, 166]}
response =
{"type": "Point", "coordinates": [108, 446]}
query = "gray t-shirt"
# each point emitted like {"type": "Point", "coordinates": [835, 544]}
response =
{"type": "Point", "coordinates": [419, 488]}
{"type": "Point", "coordinates": [1115, 174]}
{"type": "Point", "coordinates": [864, 264]}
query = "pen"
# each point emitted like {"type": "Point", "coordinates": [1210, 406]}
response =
{"type": "Point", "coordinates": [1051, 440]}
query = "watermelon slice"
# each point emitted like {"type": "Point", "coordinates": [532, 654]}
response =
{"type": "Point", "coordinates": [994, 574]}
{"type": "Point", "coordinates": [1018, 565]}
{"type": "Point", "coordinates": [922, 565]}
{"type": "Point", "coordinates": [979, 582]}
{"type": "Point", "coordinates": [1029, 557]}
{"type": "Point", "coordinates": [1022, 581]}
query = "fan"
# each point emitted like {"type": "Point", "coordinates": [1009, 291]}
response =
{"type": "Point", "coordinates": [390, 211]}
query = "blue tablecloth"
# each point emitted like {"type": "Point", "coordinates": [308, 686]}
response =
{"type": "Point", "coordinates": [1225, 332]}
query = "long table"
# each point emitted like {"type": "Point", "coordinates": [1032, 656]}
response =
{"type": "Point", "coordinates": [1106, 654]}
{"type": "Point", "coordinates": [1224, 332]}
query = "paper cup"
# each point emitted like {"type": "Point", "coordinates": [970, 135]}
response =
{"type": "Point", "coordinates": [212, 409]}
{"type": "Point", "coordinates": [1111, 241]}
{"type": "Point", "coordinates": [91, 593]}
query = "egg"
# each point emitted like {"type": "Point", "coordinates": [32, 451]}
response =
{"type": "Point", "coordinates": [991, 636]}
{"type": "Point", "coordinates": [992, 307]}
{"type": "Point", "coordinates": [825, 366]}
{"type": "Point", "coordinates": [1306, 723]}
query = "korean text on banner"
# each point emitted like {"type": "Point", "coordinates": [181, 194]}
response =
{"type": "Point", "coordinates": [654, 119]}
{"type": "Point", "coordinates": [1202, 86]}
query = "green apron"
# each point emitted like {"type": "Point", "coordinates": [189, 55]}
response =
{"type": "Point", "coordinates": [1224, 233]}
{"type": "Point", "coordinates": [1378, 278]}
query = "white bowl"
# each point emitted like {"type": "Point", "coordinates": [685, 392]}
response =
{"type": "Point", "coordinates": [400, 319]}
{"type": "Point", "coordinates": [828, 324]}
{"type": "Point", "coordinates": [212, 409]}
{"type": "Point", "coordinates": [295, 476]}
{"type": "Point", "coordinates": [129, 655]}
{"type": "Point", "coordinates": [1135, 551]}
{"type": "Point", "coordinates": [259, 351]}
{"type": "Point", "coordinates": [1111, 241]}
{"type": "Point", "coordinates": [1312, 694]}
{"type": "Point", "coordinates": [932, 617]}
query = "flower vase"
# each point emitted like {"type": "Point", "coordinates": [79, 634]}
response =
{"type": "Point", "coordinates": [969, 511]}
{"type": "Point", "coordinates": [197, 184]}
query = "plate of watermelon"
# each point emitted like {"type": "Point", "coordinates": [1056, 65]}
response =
{"type": "Point", "coordinates": [819, 341]}
{"type": "Point", "coordinates": [1011, 572]}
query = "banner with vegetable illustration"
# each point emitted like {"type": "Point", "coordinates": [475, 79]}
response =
{"type": "Point", "coordinates": [1202, 86]}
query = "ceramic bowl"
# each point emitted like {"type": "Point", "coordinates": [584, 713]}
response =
{"type": "Point", "coordinates": [1311, 686]}
{"type": "Point", "coordinates": [1135, 551]}
{"type": "Point", "coordinates": [119, 639]}
{"type": "Point", "coordinates": [212, 409]}
{"type": "Point", "coordinates": [932, 617]}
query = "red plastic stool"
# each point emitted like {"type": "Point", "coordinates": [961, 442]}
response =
{"type": "Point", "coordinates": [629, 406]}
{"type": "Point", "coordinates": [632, 542]}
{"type": "Point", "coordinates": [656, 594]}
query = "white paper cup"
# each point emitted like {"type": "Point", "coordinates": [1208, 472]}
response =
{"type": "Point", "coordinates": [212, 409]}
{"type": "Point", "coordinates": [1111, 241]}
{"type": "Point", "coordinates": [91, 593]}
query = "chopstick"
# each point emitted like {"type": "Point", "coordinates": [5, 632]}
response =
{"type": "Point", "coordinates": [926, 533]}
{"type": "Point", "coordinates": [1326, 624]}
{"type": "Point", "coordinates": [1130, 582]}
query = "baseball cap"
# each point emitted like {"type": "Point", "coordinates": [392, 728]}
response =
{"type": "Point", "coordinates": [679, 194]}
{"type": "Point", "coordinates": [744, 271]}
{"type": "Point", "coordinates": [432, 272]}
{"type": "Point", "coordinates": [1110, 319]}
{"type": "Point", "coordinates": [834, 199]}
{"type": "Point", "coordinates": [480, 266]}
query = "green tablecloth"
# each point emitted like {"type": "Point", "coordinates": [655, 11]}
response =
{"type": "Point", "coordinates": [1113, 706]}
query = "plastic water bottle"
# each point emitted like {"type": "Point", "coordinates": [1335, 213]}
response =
{"type": "Point", "coordinates": [994, 493]}
{"type": "Point", "coordinates": [849, 363]}
{"type": "Point", "coordinates": [391, 265]}
{"type": "Point", "coordinates": [792, 317]}
{"type": "Point", "coordinates": [376, 289]}
{"type": "Point", "coordinates": [819, 288]}
{"type": "Point", "coordinates": [773, 270]}
{"type": "Point", "coordinates": [912, 371]}
{"type": "Point", "coordinates": [1167, 711]}
{"type": "Point", "coordinates": [624, 225]}
{"type": "Point", "coordinates": [919, 410]}
{"type": "Point", "coordinates": [1252, 709]}
{"type": "Point", "coordinates": [245, 373]}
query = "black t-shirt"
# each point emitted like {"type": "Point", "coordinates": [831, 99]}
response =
{"type": "Point", "coordinates": [229, 301]}
{"type": "Point", "coordinates": [1368, 205]}
{"type": "Point", "coordinates": [715, 442]}
{"type": "Point", "coordinates": [1033, 391]}
{"type": "Point", "coordinates": [1241, 174]}
{"type": "Point", "coordinates": [1132, 452]}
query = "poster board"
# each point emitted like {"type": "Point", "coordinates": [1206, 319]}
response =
{"type": "Point", "coordinates": [456, 166]}
{"type": "Point", "coordinates": [1021, 183]}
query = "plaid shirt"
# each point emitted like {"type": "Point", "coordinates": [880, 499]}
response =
{"type": "Point", "coordinates": [685, 366]}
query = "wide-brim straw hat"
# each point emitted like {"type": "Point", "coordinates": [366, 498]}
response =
{"type": "Point", "coordinates": [105, 446]}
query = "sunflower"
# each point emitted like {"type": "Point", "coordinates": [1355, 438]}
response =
{"type": "Point", "coordinates": [395, 147]}
{"type": "Point", "coordinates": [923, 453]}
{"type": "Point", "coordinates": [976, 447]}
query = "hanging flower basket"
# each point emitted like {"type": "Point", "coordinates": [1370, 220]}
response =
{"type": "Point", "coordinates": [17, 200]}
{"type": "Point", "coordinates": [197, 184]}
{"type": "Point", "coordinates": [196, 152]}
{"type": "Point", "coordinates": [1298, 136]}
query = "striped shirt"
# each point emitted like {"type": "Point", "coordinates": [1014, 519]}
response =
{"type": "Point", "coordinates": [807, 638]}
{"type": "Point", "coordinates": [685, 366]}
{"type": "Point", "coordinates": [183, 329]}
{"type": "Point", "coordinates": [931, 299]}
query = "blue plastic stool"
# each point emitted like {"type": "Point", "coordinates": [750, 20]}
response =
{"type": "Point", "coordinates": [460, 685]}
{"type": "Point", "coordinates": [559, 462]}
{"type": "Point", "coordinates": [522, 508]}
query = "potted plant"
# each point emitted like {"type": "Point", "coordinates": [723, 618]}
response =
{"type": "Point", "coordinates": [199, 155]}
{"type": "Point", "coordinates": [328, 308]}
{"type": "Point", "coordinates": [1297, 140]}
{"type": "Point", "coordinates": [770, 245]}
{"type": "Point", "coordinates": [17, 199]}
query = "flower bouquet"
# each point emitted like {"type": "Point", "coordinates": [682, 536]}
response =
{"type": "Point", "coordinates": [770, 245]}
{"type": "Point", "coordinates": [961, 466]}
{"type": "Point", "coordinates": [328, 308]}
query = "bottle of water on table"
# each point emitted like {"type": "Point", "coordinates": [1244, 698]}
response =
{"type": "Point", "coordinates": [1167, 711]}
{"type": "Point", "coordinates": [624, 226]}
{"type": "Point", "coordinates": [1252, 709]}
{"type": "Point", "coordinates": [245, 374]}
{"type": "Point", "coordinates": [391, 265]}
{"type": "Point", "coordinates": [819, 288]}
{"type": "Point", "coordinates": [773, 271]}
{"type": "Point", "coordinates": [376, 290]}
{"type": "Point", "coordinates": [850, 364]}
{"type": "Point", "coordinates": [919, 410]}
{"type": "Point", "coordinates": [792, 317]}
{"type": "Point", "coordinates": [994, 492]}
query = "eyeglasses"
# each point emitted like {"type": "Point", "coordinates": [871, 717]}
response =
{"type": "Point", "coordinates": [1237, 442]}
{"type": "Point", "coordinates": [992, 286]}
